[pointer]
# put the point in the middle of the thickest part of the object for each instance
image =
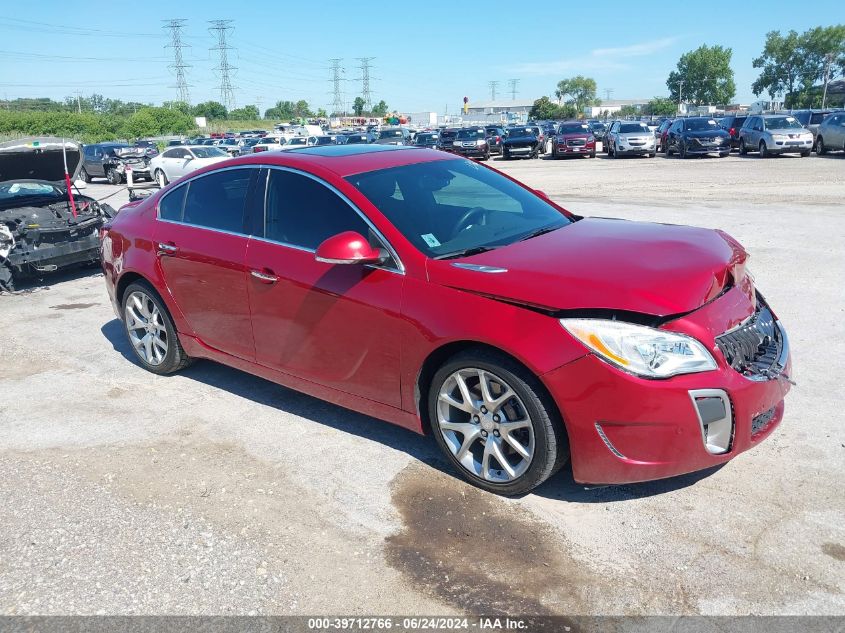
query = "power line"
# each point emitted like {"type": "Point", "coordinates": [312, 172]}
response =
{"type": "Point", "coordinates": [366, 95]}
{"type": "Point", "coordinates": [178, 65]}
{"type": "Point", "coordinates": [337, 102]}
{"type": "Point", "coordinates": [513, 83]}
{"type": "Point", "coordinates": [493, 85]}
{"type": "Point", "coordinates": [220, 28]}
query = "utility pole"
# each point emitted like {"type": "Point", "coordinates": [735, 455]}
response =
{"type": "Point", "coordinates": [258, 101]}
{"type": "Point", "coordinates": [493, 85]}
{"type": "Point", "coordinates": [680, 93]}
{"type": "Point", "coordinates": [366, 95]}
{"type": "Point", "coordinates": [337, 103]}
{"type": "Point", "coordinates": [513, 83]}
{"type": "Point", "coordinates": [221, 28]}
{"type": "Point", "coordinates": [828, 59]}
{"type": "Point", "coordinates": [79, 102]}
{"type": "Point", "coordinates": [175, 27]}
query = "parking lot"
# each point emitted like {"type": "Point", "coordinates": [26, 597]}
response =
{"type": "Point", "coordinates": [213, 491]}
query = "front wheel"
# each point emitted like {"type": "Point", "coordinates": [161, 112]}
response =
{"type": "Point", "coordinates": [764, 151]}
{"type": "Point", "coordinates": [743, 150]}
{"type": "Point", "coordinates": [113, 176]}
{"type": "Point", "coordinates": [495, 423]}
{"type": "Point", "coordinates": [151, 332]}
{"type": "Point", "coordinates": [682, 152]}
{"type": "Point", "coordinates": [161, 178]}
{"type": "Point", "coordinates": [652, 154]}
{"type": "Point", "coordinates": [506, 155]}
{"type": "Point", "coordinates": [84, 175]}
{"type": "Point", "coordinates": [805, 153]}
{"type": "Point", "coordinates": [821, 150]}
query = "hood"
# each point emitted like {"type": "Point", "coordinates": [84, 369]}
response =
{"type": "Point", "coordinates": [39, 158]}
{"type": "Point", "coordinates": [595, 263]}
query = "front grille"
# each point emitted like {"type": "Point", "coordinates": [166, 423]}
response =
{"type": "Point", "coordinates": [760, 422]}
{"type": "Point", "coordinates": [754, 348]}
{"type": "Point", "coordinates": [576, 142]}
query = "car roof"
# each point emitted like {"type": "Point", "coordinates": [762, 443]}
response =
{"type": "Point", "coordinates": [346, 160]}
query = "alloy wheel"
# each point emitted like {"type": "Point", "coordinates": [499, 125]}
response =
{"type": "Point", "coordinates": [145, 325]}
{"type": "Point", "coordinates": [161, 178]}
{"type": "Point", "coordinates": [485, 425]}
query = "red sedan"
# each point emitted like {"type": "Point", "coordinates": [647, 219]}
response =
{"type": "Point", "coordinates": [441, 295]}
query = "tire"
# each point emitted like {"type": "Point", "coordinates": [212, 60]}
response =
{"type": "Point", "coordinates": [764, 151]}
{"type": "Point", "coordinates": [743, 150]}
{"type": "Point", "coordinates": [113, 176]}
{"type": "Point", "coordinates": [7, 280]}
{"type": "Point", "coordinates": [667, 150]}
{"type": "Point", "coordinates": [593, 154]}
{"type": "Point", "coordinates": [84, 175]}
{"type": "Point", "coordinates": [543, 438]}
{"type": "Point", "coordinates": [652, 155]}
{"type": "Point", "coordinates": [506, 155]}
{"type": "Point", "coordinates": [682, 152]}
{"type": "Point", "coordinates": [150, 309]}
{"type": "Point", "coordinates": [616, 152]}
{"type": "Point", "coordinates": [821, 150]}
{"type": "Point", "coordinates": [161, 178]}
{"type": "Point", "coordinates": [724, 154]}
{"type": "Point", "coordinates": [815, 145]}
{"type": "Point", "coordinates": [805, 153]}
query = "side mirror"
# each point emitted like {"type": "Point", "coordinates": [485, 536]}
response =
{"type": "Point", "coordinates": [348, 247]}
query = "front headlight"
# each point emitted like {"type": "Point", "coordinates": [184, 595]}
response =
{"type": "Point", "coordinates": [641, 350]}
{"type": "Point", "coordinates": [779, 137]}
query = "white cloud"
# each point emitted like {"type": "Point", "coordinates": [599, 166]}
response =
{"type": "Point", "coordinates": [597, 59]}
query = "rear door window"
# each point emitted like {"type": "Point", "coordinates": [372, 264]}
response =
{"type": "Point", "coordinates": [216, 201]}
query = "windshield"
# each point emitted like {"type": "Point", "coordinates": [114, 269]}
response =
{"type": "Point", "coordinates": [782, 123]}
{"type": "Point", "coordinates": [208, 152]}
{"type": "Point", "coordinates": [12, 190]}
{"type": "Point", "coordinates": [633, 128]}
{"type": "Point", "coordinates": [390, 134]}
{"type": "Point", "coordinates": [467, 135]}
{"type": "Point", "coordinates": [574, 128]}
{"type": "Point", "coordinates": [299, 140]}
{"type": "Point", "coordinates": [447, 207]}
{"type": "Point", "coordinates": [599, 126]}
{"type": "Point", "coordinates": [521, 131]}
{"type": "Point", "coordinates": [701, 125]}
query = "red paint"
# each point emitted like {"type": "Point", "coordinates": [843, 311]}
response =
{"type": "Point", "coordinates": [358, 335]}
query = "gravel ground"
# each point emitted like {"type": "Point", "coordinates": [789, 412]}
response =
{"type": "Point", "coordinates": [215, 492]}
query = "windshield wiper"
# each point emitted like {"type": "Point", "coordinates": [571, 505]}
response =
{"type": "Point", "coordinates": [475, 250]}
{"type": "Point", "coordinates": [539, 232]}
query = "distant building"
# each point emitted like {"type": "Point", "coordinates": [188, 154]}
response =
{"type": "Point", "coordinates": [613, 106]}
{"type": "Point", "coordinates": [500, 110]}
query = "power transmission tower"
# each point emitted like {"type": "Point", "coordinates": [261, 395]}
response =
{"type": "Point", "coordinates": [366, 95]}
{"type": "Point", "coordinates": [513, 83]}
{"type": "Point", "coordinates": [220, 28]}
{"type": "Point", "coordinates": [607, 93]}
{"type": "Point", "coordinates": [337, 102]}
{"type": "Point", "coordinates": [175, 27]}
{"type": "Point", "coordinates": [493, 85]}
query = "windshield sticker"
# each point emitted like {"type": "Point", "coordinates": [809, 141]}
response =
{"type": "Point", "coordinates": [430, 240]}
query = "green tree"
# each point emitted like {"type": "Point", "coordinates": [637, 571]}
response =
{"type": "Point", "coordinates": [544, 108]}
{"type": "Point", "coordinates": [824, 48]}
{"type": "Point", "coordinates": [210, 110]}
{"type": "Point", "coordinates": [180, 106]}
{"type": "Point", "coordinates": [629, 111]}
{"type": "Point", "coordinates": [301, 109]}
{"type": "Point", "coordinates": [380, 109]}
{"type": "Point", "coordinates": [579, 91]}
{"type": "Point", "coordinates": [321, 113]}
{"type": "Point", "coordinates": [782, 64]}
{"type": "Point", "coordinates": [661, 106]}
{"type": "Point", "coordinates": [246, 113]}
{"type": "Point", "coordinates": [703, 76]}
{"type": "Point", "coordinates": [358, 106]}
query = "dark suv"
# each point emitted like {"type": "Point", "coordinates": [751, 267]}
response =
{"type": "Point", "coordinates": [447, 140]}
{"type": "Point", "coordinates": [732, 124]}
{"type": "Point", "coordinates": [523, 140]}
{"type": "Point", "coordinates": [495, 136]}
{"type": "Point", "coordinates": [427, 139]}
{"type": "Point", "coordinates": [472, 143]}
{"type": "Point", "coordinates": [112, 160]}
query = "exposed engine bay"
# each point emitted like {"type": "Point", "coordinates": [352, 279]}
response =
{"type": "Point", "coordinates": [39, 231]}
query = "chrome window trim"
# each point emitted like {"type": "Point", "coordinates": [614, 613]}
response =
{"type": "Point", "coordinates": [400, 267]}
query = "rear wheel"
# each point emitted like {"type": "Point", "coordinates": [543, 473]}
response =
{"type": "Point", "coordinates": [495, 423]}
{"type": "Point", "coordinates": [682, 151]}
{"type": "Point", "coordinates": [151, 332]}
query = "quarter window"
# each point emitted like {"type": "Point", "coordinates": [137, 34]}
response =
{"type": "Point", "coordinates": [302, 212]}
{"type": "Point", "coordinates": [216, 201]}
{"type": "Point", "coordinates": [171, 204]}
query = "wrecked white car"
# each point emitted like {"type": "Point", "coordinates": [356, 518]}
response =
{"type": "Point", "coordinates": [39, 231]}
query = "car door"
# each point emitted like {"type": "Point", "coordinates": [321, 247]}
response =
{"type": "Point", "coordinates": [201, 244]}
{"type": "Point", "coordinates": [337, 325]}
{"type": "Point", "coordinates": [753, 133]}
{"type": "Point", "coordinates": [836, 138]}
{"type": "Point", "coordinates": [182, 163]}
{"type": "Point", "coordinates": [96, 163]}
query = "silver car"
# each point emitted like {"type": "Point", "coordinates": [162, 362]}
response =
{"type": "Point", "coordinates": [630, 137]}
{"type": "Point", "coordinates": [831, 135]}
{"type": "Point", "coordinates": [774, 134]}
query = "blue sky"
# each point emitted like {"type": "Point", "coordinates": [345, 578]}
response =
{"type": "Point", "coordinates": [428, 55]}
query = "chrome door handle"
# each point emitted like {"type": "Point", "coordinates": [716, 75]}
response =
{"type": "Point", "coordinates": [267, 278]}
{"type": "Point", "coordinates": [166, 249]}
